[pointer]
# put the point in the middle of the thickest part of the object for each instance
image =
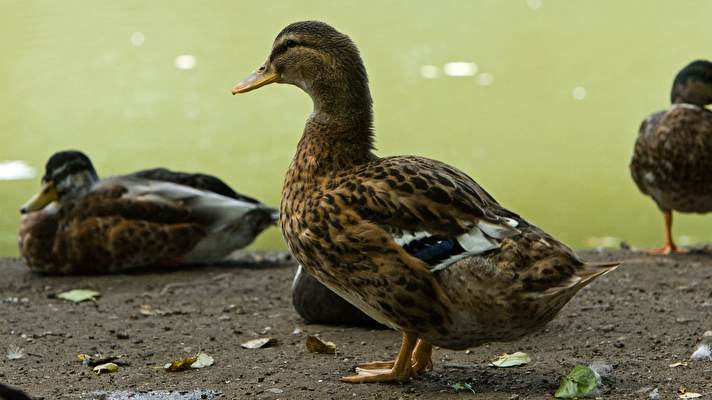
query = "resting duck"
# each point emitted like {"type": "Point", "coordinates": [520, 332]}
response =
{"type": "Point", "coordinates": [415, 243]}
{"type": "Point", "coordinates": [80, 224]}
{"type": "Point", "coordinates": [672, 160]}
{"type": "Point", "coordinates": [318, 304]}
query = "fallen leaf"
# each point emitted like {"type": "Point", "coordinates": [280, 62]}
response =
{"type": "Point", "coordinates": [689, 395]}
{"type": "Point", "coordinates": [202, 360]}
{"type": "Point", "coordinates": [678, 364]}
{"type": "Point", "coordinates": [97, 359]}
{"type": "Point", "coordinates": [316, 345]}
{"type": "Point", "coordinates": [580, 382]}
{"type": "Point", "coordinates": [15, 352]}
{"type": "Point", "coordinates": [259, 343]}
{"type": "Point", "coordinates": [459, 387]}
{"type": "Point", "coordinates": [79, 295]}
{"type": "Point", "coordinates": [106, 368]}
{"type": "Point", "coordinates": [511, 360]}
{"type": "Point", "coordinates": [147, 310]}
{"type": "Point", "coordinates": [180, 365]}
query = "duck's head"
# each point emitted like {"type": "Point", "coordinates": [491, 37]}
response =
{"type": "Point", "coordinates": [693, 84]}
{"type": "Point", "coordinates": [321, 61]}
{"type": "Point", "coordinates": [68, 174]}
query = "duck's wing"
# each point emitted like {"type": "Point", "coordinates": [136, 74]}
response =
{"type": "Point", "coordinates": [434, 211]}
{"type": "Point", "coordinates": [671, 155]}
{"type": "Point", "coordinates": [105, 231]}
{"type": "Point", "coordinates": [643, 153]}
{"type": "Point", "coordinates": [212, 210]}
{"type": "Point", "coordinates": [195, 180]}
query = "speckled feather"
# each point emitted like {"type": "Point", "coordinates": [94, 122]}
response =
{"type": "Point", "coordinates": [104, 232]}
{"type": "Point", "coordinates": [346, 214]}
{"type": "Point", "coordinates": [672, 160]}
{"type": "Point", "coordinates": [135, 220]}
{"type": "Point", "coordinates": [339, 215]}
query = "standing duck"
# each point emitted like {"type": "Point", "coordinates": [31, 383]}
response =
{"type": "Point", "coordinates": [80, 224]}
{"type": "Point", "coordinates": [672, 160]}
{"type": "Point", "coordinates": [415, 243]}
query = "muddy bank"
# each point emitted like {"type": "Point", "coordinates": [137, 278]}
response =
{"type": "Point", "coordinates": [648, 314]}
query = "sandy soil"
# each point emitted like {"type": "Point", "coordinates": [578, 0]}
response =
{"type": "Point", "coordinates": [641, 318]}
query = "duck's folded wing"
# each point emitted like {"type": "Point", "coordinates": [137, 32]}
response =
{"type": "Point", "coordinates": [194, 180]}
{"type": "Point", "coordinates": [433, 210]}
{"type": "Point", "coordinates": [210, 209]}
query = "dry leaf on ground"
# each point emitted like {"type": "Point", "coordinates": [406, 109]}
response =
{"type": "Point", "coordinates": [316, 345]}
{"type": "Point", "coordinates": [259, 343]}
{"type": "Point", "coordinates": [511, 360]}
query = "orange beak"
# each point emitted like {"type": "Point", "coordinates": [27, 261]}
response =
{"type": "Point", "coordinates": [255, 80]}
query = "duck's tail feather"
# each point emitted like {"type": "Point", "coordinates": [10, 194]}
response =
{"type": "Point", "coordinates": [591, 271]}
{"type": "Point", "coordinates": [584, 275]}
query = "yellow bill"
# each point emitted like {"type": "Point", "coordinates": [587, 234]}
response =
{"type": "Point", "coordinates": [255, 80]}
{"type": "Point", "coordinates": [41, 199]}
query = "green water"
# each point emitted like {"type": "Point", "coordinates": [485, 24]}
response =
{"type": "Point", "coordinates": [72, 78]}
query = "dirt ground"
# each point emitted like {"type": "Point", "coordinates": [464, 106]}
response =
{"type": "Point", "coordinates": [648, 314]}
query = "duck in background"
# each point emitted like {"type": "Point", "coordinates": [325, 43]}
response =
{"type": "Point", "coordinates": [318, 304]}
{"type": "Point", "coordinates": [81, 224]}
{"type": "Point", "coordinates": [672, 159]}
{"type": "Point", "coordinates": [414, 243]}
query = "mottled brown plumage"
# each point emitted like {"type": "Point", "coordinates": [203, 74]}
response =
{"type": "Point", "coordinates": [672, 160]}
{"type": "Point", "coordinates": [413, 242]}
{"type": "Point", "coordinates": [130, 221]}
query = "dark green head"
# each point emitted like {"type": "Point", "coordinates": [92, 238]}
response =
{"type": "Point", "coordinates": [68, 174]}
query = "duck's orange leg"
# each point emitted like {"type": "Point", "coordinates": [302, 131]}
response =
{"type": "Point", "coordinates": [669, 247]}
{"type": "Point", "coordinates": [401, 369]}
{"type": "Point", "coordinates": [420, 361]}
{"type": "Point", "coordinates": [422, 358]}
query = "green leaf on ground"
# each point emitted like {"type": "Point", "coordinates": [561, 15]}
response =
{"type": "Point", "coordinates": [581, 381]}
{"type": "Point", "coordinates": [460, 387]}
{"type": "Point", "coordinates": [79, 295]}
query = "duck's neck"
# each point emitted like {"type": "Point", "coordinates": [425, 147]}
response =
{"type": "Point", "coordinates": [338, 135]}
{"type": "Point", "coordinates": [77, 184]}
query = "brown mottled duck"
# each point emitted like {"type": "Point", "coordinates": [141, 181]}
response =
{"type": "Point", "coordinates": [415, 243]}
{"type": "Point", "coordinates": [672, 160]}
{"type": "Point", "coordinates": [81, 224]}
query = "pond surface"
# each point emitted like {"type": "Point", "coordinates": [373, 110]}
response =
{"type": "Point", "coordinates": [539, 100]}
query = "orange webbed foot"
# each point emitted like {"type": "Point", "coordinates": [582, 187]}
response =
{"type": "Point", "coordinates": [667, 250]}
{"type": "Point", "coordinates": [399, 370]}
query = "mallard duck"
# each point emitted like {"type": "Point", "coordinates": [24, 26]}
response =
{"type": "Point", "coordinates": [415, 243]}
{"type": "Point", "coordinates": [80, 224]}
{"type": "Point", "coordinates": [672, 160]}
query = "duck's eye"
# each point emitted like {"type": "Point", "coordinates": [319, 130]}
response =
{"type": "Point", "coordinates": [290, 43]}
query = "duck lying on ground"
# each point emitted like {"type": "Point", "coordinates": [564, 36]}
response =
{"type": "Point", "coordinates": [415, 243]}
{"type": "Point", "coordinates": [81, 224]}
